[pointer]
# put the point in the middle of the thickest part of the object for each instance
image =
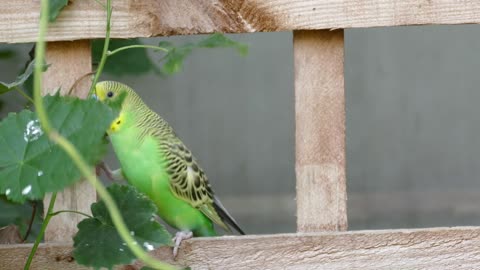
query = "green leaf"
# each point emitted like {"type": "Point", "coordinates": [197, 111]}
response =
{"type": "Point", "coordinates": [54, 8]}
{"type": "Point", "coordinates": [174, 58]}
{"type": "Point", "coordinates": [166, 44]}
{"type": "Point", "coordinates": [7, 53]}
{"type": "Point", "coordinates": [31, 165]}
{"type": "Point", "coordinates": [128, 62]}
{"type": "Point", "coordinates": [98, 244]}
{"type": "Point", "coordinates": [5, 87]}
{"type": "Point", "coordinates": [176, 55]}
{"type": "Point", "coordinates": [20, 215]}
{"type": "Point", "coordinates": [218, 40]}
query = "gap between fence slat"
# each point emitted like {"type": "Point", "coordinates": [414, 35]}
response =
{"type": "Point", "coordinates": [69, 61]}
{"type": "Point", "coordinates": [320, 130]}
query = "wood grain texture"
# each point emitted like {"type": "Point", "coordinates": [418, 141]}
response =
{"type": "Point", "coordinates": [427, 249]}
{"type": "Point", "coordinates": [135, 18]}
{"type": "Point", "coordinates": [69, 61]}
{"type": "Point", "coordinates": [10, 235]}
{"type": "Point", "coordinates": [320, 130]}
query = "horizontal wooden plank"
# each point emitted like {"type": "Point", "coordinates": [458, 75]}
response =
{"type": "Point", "coordinates": [429, 249]}
{"type": "Point", "coordinates": [133, 18]}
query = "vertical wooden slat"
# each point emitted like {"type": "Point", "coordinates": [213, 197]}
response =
{"type": "Point", "coordinates": [69, 61]}
{"type": "Point", "coordinates": [320, 130]}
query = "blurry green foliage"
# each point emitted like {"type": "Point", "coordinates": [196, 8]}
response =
{"type": "Point", "coordinates": [5, 87]}
{"type": "Point", "coordinates": [55, 6]}
{"type": "Point", "coordinates": [129, 62]}
{"type": "Point", "coordinates": [176, 55]}
{"type": "Point", "coordinates": [136, 61]}
{"type": "Point", "coordinates": [20, 215]}
{"type": "Point", "coordinates": [6, 53]}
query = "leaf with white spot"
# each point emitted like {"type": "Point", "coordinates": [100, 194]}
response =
{"type": "Point", "coordinates": [31, 165]}
{"type": "Point", "coordinates": [98, 244]}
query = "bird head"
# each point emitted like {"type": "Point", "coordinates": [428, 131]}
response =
{"type": "Point", "coordinates": [110, 92]}
{"type": "Point", "coordinates": [117, 96]}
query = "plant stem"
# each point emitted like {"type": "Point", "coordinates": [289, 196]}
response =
{"type": "Point", "coordinates": [138, 46]}
{"type": "Point", "coordinates": [30, 223]}
{"type": "Point", "coordinates": [74, 85]}
{"type": "Point", "coordinates": [70, 211]}
{"type": "Point", "coordinates": [86, 171]}
{"type": "Point", "coordinates": [105, 48]}
{"type": "Point", "coordinates": [42, 115]}
{"type": "Point", "coordinates": [23, 94]}
{"type": "Point", "coordinates": [42, 230]}
{"type": "Point", "coordinates": [37, 72]}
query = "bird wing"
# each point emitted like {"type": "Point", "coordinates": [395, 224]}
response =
{"type": "Point", "coordinates": [189, 183]}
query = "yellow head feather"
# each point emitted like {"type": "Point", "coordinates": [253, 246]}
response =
{"type": "Point", "coordinates": [109, 92]}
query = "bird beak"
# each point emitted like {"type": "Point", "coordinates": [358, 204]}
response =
{"type": "Point", "coordinates": [94, 96]}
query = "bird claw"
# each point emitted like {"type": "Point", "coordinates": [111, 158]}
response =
{"type": "Point", "coordinates": [104, 167]}
{"type": "Point", "coordinates": [115, 175]}
{"type": "Point", "coordinates": [177, 240]}
{"type": "Point", "coordinates": [98, 170]}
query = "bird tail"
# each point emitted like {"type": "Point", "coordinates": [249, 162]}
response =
{"type": "Point", "coordinates": [226, 217]}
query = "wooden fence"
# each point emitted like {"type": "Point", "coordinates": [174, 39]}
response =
{"type": "Point", "coordinates": [320, 127]}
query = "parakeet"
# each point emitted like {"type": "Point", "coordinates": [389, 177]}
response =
{"type": "Point", "coordinates": [157, 163]}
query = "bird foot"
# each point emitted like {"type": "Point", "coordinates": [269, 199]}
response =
{"type": "Point", "coordinates": [177, 240]}
{"type": "Point", "coordinates": [111, 175]}
{"type": "Point", "coordinates": [103, 167]}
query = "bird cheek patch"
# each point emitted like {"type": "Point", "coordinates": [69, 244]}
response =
{"type": "Point", "coordinates": [115, 126]}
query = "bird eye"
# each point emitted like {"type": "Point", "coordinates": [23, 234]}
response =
{"type": "Point", "coordinates": [110, 94]}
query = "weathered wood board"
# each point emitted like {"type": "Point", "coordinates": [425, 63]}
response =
{"type": "Point", "coordinates": [69, 62]}
{"type": "Point", "coordinates": [133, 18]}
{"type": "Point", "coordinates": [320, 130]}
{"type": "Point", "coordinates": [427, 249]}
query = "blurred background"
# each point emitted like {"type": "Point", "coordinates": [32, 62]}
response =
{"type": "Point", "coordinates": [412, 123]}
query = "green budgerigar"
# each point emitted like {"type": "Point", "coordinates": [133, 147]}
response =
{"type": "Point", "coordinates": [157, 163]}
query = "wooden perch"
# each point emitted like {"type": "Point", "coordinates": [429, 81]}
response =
{"type": "Point", "coordinates": [426, 249]}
